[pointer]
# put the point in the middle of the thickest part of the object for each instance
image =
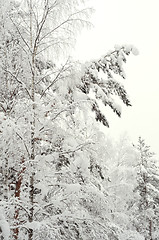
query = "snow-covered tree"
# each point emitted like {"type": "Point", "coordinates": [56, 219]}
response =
{"type": "Point", "coordinates": [26, 35]}
{"type": "Point", "coordinates": [145, 207]}
{"type": "Point", "coordinates": [120, 182]}
{"type": "Point", "coordinates": [51, 171]}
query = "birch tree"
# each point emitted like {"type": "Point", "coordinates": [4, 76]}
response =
{"type": "Point", "coordinates": [37, 27]}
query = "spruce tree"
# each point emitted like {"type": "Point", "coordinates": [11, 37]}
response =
{"type": "Point", "coordinates": [146, 203]}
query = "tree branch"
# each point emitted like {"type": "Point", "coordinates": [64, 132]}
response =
{"type": "Point", "coordinates": [24, 144]}
{"type": "Point", "coordinates": [15, 77]}
{"type": "Point", "coordinates": [56, 78]}
{"type": "Point", "coordinates": [21, 35]}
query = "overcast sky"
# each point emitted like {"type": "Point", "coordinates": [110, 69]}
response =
{"type": "Point", "coordinates": [129, 22]}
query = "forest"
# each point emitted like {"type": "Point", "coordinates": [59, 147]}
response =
{"type": "Point", "coordinates": [61, 177]}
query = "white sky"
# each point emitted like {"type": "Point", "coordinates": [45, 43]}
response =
{"type": "Point", "coordinates": [129, 22]}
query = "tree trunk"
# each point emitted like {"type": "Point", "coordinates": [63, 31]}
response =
{"type": "Point", "coordinates": [150, 229]}
{"type": "Point", "coordinates": [31, 185]}
{"type": "Point", "coordinates": [6, 180]}
{"type": "Point", "coordinates": [17, 195]}
{"type": "Point", "coordinates": [31, 214]}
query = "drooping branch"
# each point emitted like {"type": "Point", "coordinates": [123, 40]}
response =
{"type": "Point", "coordinates": [105, 87]}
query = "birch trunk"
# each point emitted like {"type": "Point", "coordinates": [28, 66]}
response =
{"type": "Point", "coordinates": [31, 185]}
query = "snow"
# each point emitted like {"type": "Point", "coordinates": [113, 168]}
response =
{"type": "Point", "coordinates": [135, 51]}
{"type": "Point", "coordinates": [131, 235]}
{"type": "Point", "coordinates": [94, 72]}
{"type": "Point", "coordinates": [1, 116]}
{"type": "Point", "coordinates": [4, 226]}
{"type": "Point", "coordinates": [73, 188]}
{"type": "Point", "coordinates": [117, 107]}
{"type": "Point", "coordinates": [82, 163]}
{"type": "Point", "coordinates": [131, 48]}
{"type": "Point", "coordinates": [35, 224]}
{"type": "Point", "coordinates": [153, 189]}
{"type": "Point", "coordinates": [117, 47]}
{"type": "Point", "coordinates": [127, 48]}
{"type": "Point", "coordinates": [79, 96]}
{"type": "Point", "coordinates": [5, 229]}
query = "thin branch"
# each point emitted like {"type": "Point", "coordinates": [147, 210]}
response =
{"type": "Point", "coordinates": [51, 45]}
{"type": "Point", "coordinates": [27, 26]}
{"type": "Point", "coordinates": [15, 77]}
{"type": "Point", "coordinates": [18, 204]}
{"type": "Point", "coordinates": [47, 75]}
{"type": "Point", "coordinates": [41, 27]}
{"type": "Point", "coordinates": [53, 40]}
{"type": "Point", "coordinates": [21, 35]}
{"type": "Point", "coordinates": [80, 11]}
{"type": "Point", "coordinates": [24, 144]}
{"type": "Point", "coordinates": [69, 19]}
{"type": "Point", "coordinates": [79, 147]}
{"type": "Point", "coordinates": [55, 79]}
{"type": "Point", "coordinates": [65, 110]}
{"type": "Point", "coordinates": [4, 110]}
{"type": "Point", "coordinates": [53, 30]}
{"type": "Point", "coordinates": [42, 22]}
